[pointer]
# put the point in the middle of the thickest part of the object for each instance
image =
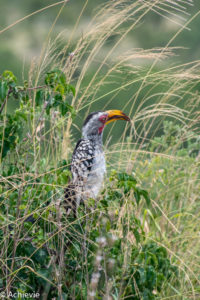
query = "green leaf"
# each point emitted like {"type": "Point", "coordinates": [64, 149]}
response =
{"type": "Point", "coordinates": [142, 273]}
{"type": "Point", "coordinates": [71, 88]}
{"type": "Point", "coordinates": [65, 107]}
{"type": "Point", "coordinates": [9, 76]}
{"type": "Point", "coordinates": [3, 90]}
{"type": "Point", "coordinates": [21, 114]}
{"type": "Point", "coordinates": [22, 207]}
{"type": "Point", "coordinates": [145, 194]}
{"type": "Point", "coordinates": [60, 88]}
{"type": "Point", "coordinates": [56, 79]}
{"type": "Point", "coordinates": [57, 100]}
{"type": "Point", "coordinates": [137, 196]}
{"type": "Point", "coordinates": [62, 77]}
{"type": "Point", "coordinates": [136, 234]}
{"type": "Point", "coordinates": [39, 98]}
{"type": "Point", "coordinates": [45, 276]}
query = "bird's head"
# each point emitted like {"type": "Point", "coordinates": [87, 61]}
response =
{"type": "Point", "coordinates": [96, 121]}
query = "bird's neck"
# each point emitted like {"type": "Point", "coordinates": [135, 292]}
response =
{"type": "Point", "coordinates": [95, 138]}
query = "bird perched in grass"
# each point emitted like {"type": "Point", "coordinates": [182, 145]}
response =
{"type": "Point", "coordinates": [88, 165]}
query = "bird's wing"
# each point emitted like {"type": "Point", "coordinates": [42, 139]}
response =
{"type": "Point", "coordinates": [82, 160]}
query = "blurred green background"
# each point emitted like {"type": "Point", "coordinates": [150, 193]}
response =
{"type": "Point", "coordinates": [24, 41]}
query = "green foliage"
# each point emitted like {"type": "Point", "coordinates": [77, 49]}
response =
{"type": "Point", "coordinates": [172, 168]}
{"type": "Point", "coordinates": [176, 137]}
{"type": "Point", "coordinates": [93, 257]}
{"type": "Point", "coordinates": [128, 182]}
{"type": "Point", "coordinates": [56, 81]}
{"type": "Point", "coordinates": [91, 247]}
{"type": "Point", "coordinates": [151, 268]}
{"type": "Point", "coordinates": [107, 249]}
{"type": "Point", "coordinates": [3, 90]}
{"type": "Point", "coordinates": [47, 99]}
{"type": "Point", "coordinates": [24, 197]}
{"type": "Point", "coordinates": [125, 246]}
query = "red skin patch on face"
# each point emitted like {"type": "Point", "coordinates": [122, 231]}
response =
{"type": "Point", "coordinates": [101, 129]}
{"type": "Point", "coordinates": [103, 120]}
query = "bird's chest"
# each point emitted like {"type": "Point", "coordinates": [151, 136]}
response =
{"type": "Point", "coordinates": [98, 170]}
{"type": "Point", "coordinates": [99, 164]}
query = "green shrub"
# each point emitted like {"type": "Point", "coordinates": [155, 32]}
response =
{"type": "Point", "coordinates": [106, 251]}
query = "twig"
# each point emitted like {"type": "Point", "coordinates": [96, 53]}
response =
{"type": "Point", "coordinates": [34, 88]}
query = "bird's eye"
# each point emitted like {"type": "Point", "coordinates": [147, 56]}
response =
{"type": "Point", "coordinates": [103, 119]}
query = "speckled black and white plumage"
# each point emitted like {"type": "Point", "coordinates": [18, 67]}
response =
{"type": "Point", "coordinates": [88, 165]}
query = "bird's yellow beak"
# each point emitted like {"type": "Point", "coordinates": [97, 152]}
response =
{"type": "Point", "coordinates": [114, 115]}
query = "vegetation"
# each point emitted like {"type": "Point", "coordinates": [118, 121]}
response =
{"type": "Point", "coordinates": [140, 240]}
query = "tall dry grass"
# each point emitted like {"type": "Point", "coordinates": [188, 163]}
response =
{"type": "Point", "coordinates": [140, 71]}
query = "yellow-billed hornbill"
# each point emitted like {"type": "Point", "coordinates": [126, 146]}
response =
{"type": "Point", "coordinates": [88, 165]}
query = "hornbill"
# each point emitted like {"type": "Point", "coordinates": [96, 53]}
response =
{"type": "Point", "coordinates": [88, 165]}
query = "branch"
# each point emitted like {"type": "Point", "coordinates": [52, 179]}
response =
{"type": "Point", "coordinates": [34, 88]}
